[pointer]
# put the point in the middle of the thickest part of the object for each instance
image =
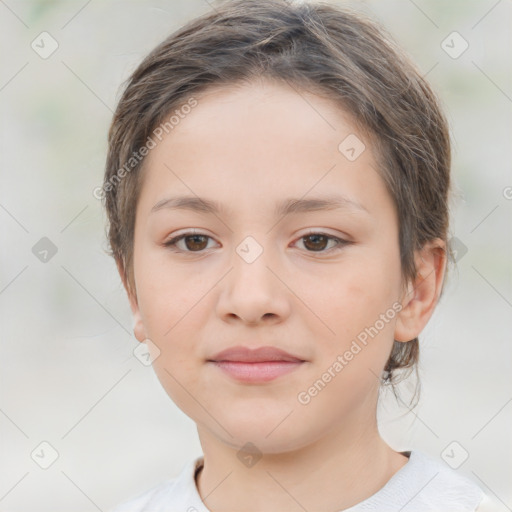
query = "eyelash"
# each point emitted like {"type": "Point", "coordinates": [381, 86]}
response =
{"type": "Point", "coordinates": [171, 244]}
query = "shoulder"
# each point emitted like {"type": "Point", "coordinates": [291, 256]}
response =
{"type": "Point", "coordinates": [487, 505]}
{"type": "Point", "coordinates": [180, 493]}
{"type": "Point", "coordinates": [432, 485]}
{"type": "Point", "coordinates": [425, 484]}
{"type": "Point", "coordinates": [140, 502]}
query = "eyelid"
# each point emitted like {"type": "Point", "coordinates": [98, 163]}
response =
{"type": "Point", "coordinates": [341, 240]}
{"type": "Point", "coordinates": [176, 237]}
{"type": "Point", "coordinates": [321, 231]}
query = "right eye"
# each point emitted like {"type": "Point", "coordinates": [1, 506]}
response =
{"type": "Point", "coordinates": [193, 242]}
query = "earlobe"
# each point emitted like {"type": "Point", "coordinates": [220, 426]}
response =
{"type": "Point", "coordinates": [138, 324]}
{"type": "Point", "coordinates": [406, 325]}
{"type": "Point", "coordinates": [138, 327]}
{"type": "Point", "coordinates": [422, 294]}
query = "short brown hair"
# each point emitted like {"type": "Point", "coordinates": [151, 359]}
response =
{"type": "Point", "coordinates": [317, 47]}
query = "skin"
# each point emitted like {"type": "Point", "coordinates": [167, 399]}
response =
{"type": "Point", "coordinates": [249, 147]}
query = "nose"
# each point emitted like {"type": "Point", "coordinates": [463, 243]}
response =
{"type": "Point", "coordinates": [254, 293]}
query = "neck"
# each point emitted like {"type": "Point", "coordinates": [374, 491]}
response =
{"type": "Point", "coordinates": [341, 469]}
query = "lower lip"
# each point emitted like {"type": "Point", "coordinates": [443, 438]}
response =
{"type": "Point", "coordinates": [257, 372]}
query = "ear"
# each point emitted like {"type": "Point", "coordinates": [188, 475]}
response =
{"type": "Point", "coordinates": [138, 325]}
{"type": "Point", "coordinates": [422, 294]}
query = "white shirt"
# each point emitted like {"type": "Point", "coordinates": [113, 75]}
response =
{"type": "Point", "coordinates": [423, 484]}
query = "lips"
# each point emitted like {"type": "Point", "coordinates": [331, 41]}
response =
{"type": "Point", "coordinates": [258, 355]}
{"type": "Point", "coordinates": [255, 366]}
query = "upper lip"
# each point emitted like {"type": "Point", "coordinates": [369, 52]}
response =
{"type": "Point", "coordinates": [258, 355]}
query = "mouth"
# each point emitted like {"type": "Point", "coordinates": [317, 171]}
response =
{"type": "Point", "coordinates": [256, 365]}
{"type": "Point", "coordinates": [257, 372]}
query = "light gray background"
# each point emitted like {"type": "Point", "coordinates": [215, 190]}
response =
{"type": "Point", "coordinates": [68, 375]}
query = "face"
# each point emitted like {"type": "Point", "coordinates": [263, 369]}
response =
{"type": "Point", "coordinates": [322, 284]}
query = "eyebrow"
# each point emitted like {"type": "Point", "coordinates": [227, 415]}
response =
{"type": "Point", "coordinates": [286, 207]}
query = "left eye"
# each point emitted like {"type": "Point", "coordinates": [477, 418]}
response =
{"type": "Point", "coordinates": [197, 242]}
{"type": "Point", "coordinates": [318, 241]}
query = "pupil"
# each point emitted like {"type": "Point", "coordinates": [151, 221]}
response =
{"type": "Point", "coordinates": [195, 237]}
{"type": "Point", "coordinates": [316, 237]}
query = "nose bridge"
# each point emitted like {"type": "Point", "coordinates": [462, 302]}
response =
{"type": "Point", "coordinates": [250, 263]}
{"type": "Point", "coordinates": [251, 290]}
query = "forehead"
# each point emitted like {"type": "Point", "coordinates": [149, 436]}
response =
{"type": "Point", "coordinates": [271, 106]}
{"type": "Point", "coordinates": [258, 142]}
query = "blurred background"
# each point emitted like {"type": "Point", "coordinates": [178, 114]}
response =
{"type": "Point", "coordinates": [84, 424]}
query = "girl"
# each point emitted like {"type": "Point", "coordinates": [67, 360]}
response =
{"type": "Point", "coordinates": [277, 192]}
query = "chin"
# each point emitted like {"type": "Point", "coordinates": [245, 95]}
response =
{"type": "Point", "coordinates": [268, 436]}
{"type": "Point", "coordinates": [261, 443]}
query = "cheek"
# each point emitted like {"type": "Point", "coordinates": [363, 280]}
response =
{"type": "Point", "coordinates": [359, 309]}
{"type": "Point", "coordinates": [171, 319]}
{"type": "Point", "coordinates": [172, 306]}
{"type": "Point", "coordinates": [168, 296]}
{"type": "Point", "coordinates": [361, 292]}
